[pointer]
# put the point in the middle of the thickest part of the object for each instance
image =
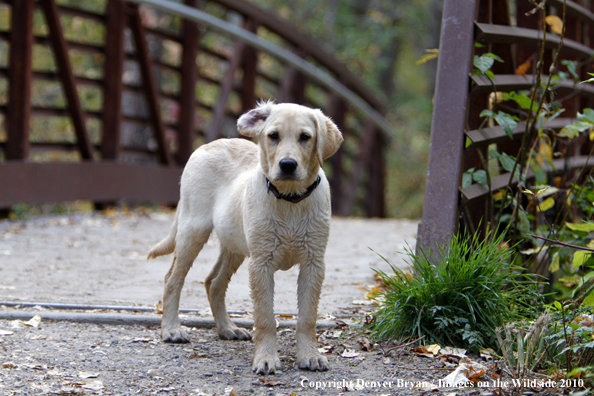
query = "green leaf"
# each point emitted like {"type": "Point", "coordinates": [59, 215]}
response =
{"type": "Point", "coordinates": [492, 55]}
{"type": "Point", "coordinates": [507, 162]}
{"type": "Point", "coordinates": [525, 224]}
{"type": "Point", "coordinates": [506, 122]}
{"type": "Point", "coordinates": [478, 45]}
{"type": "Point", "coordinates": [571, 68]}
{"type": "Point", "coordinates": [589, 80]}
{"type": "Point", "coordinates": [546, 205]}
{"type": "Point", "coordinates": [581, 257]}
{"type": "Point", "coordinates": [483, 63]}
{"type": "Point", "coordinates": [466, 179]}
{"type": "Point", "coordinates": [480, 176]}
{"type": "Point", "coordinates": [524, 101]}
{"type": "Point", "coordinates": [583, 227]}
{"type": "Point", "coordinates": [572, 130]}
{"type": "Point", "coordinates": [586, 116]}
{"type": "Point", "coordinates": [554, 267]}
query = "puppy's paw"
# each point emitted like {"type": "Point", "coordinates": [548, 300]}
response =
{"type": "Point", "coordinates": [234, 333]}
{"type": "Point", "coordinates": [176, 335]}
{"type": "Point", "coordinates": [313, 362]}
{"type": "Point", "coordinates": [266, 364]}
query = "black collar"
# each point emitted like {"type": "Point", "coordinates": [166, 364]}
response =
{"type": "Point", "coordinates": [294, 198]}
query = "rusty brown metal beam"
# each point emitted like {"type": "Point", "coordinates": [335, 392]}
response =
{"type": "Point", "coordinates": [440, 213]}
{"type": "Point", "coordinates": [149, 83]}
{"type": "Point", "coordinates": [189, 76]}
{"type": "Point", "coordinates": [337, 111]}
{"type": "Point", "coordinates": [19, 90]}
{"type": "Point", "coordinates": [60, 49]}
{"type": "Point", "coordinates": [36, 183]}
{"type": "Point", "coordinates": [113, 69]}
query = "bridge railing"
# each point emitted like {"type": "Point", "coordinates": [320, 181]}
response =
{"type": "Point", "coordinates": [134, 104]}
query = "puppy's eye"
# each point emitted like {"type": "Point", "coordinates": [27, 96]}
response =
{"type": "Point", "coordinates": [304, 137]}
{"type": "Point", "coordinates": [273, 136]}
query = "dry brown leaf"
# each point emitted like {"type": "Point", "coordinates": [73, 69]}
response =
{"type": "Point", "coordinates": [86, 374]}
{"type": "Point", "coordinates": [35, 321]}
{"type": "Point", "coordinates": [326, 349]}
{"type": "Point", "coordinates": [285, 316]}
{"type": "Point", "coordinates": [159, 307]}
{"type": "Point", "coordinates": [524, 67]}
{"type": "Point", "coordinates": [555, 23]}
{"type": "Point", "coordinates": [366, 345]}
{"type": "Point", "coordinates": [8, 365]}
{"type": "Point", "coordinates": [349, 353]}
{"type": "Point", "coordinates": [230, 391]}
{"type": "Point", "coordinates": [267, 382]}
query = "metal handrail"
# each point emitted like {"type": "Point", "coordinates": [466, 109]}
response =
{"type": "Point", "coordinates": [259, 43]}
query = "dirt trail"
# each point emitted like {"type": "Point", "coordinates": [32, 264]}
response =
{"type": "Point", "coordinates": [98, 259]}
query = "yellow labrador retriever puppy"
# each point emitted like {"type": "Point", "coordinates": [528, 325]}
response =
{"type": "Point", "coordinates": [269, 202]}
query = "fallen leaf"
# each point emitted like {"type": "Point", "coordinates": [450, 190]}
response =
{"type": "Point", "coordinates": [349, 353]}
{"type": "Point", "coordinates": [366, 345]}
{"type": "Point", "coordinates": [555, 23]}
{"type": "Point", "coordinates": [428, 349]}
{"type": "Point", "coordinates": [459, 352]}
{"type": "Point", "coordinates": [267, 382]}
{"type": "Point", "coordinates": [6, 332]}
{"type": "Point", "coordinates": [35, 321]}
{"type": "Point", "coordinates": [93, 385]}
{"type": "Point", "coordinates": [333, 333]}
{"type": "Point", "coordinates": [326, 349]}
{"type": "Point", "coordinates": [285, 316]}
{"type": "Point", "coordinates": [8, 365]}
{"type": "Point", "coordinates": [85, 374]}
{"type": "Point", "coordinates": [488, 354]}
{"type": "Point", "coordinates": [524, 67]}
{"type": "Point", "coordinates": [456, 377]}
{"type": "Point", "coordinates": [363, 302]}
{"type": "Point", "coordinates": [230, 391]}
{"type": "Point", "coordinates": [159, 307]}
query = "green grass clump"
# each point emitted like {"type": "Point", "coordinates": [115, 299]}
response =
{"type": "Point", "coordinates": [474, 289]}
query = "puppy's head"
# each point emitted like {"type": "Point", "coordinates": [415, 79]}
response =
{"type": "Point", "coordinates": [294, 140]}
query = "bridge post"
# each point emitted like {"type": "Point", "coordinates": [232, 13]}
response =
{"type": "Point", "coordinates": [20, 72]}
{"type": "Point", "coordinates": [440, 213]}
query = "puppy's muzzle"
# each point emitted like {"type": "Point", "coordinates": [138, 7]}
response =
{"type": "Point", "coordinates": [288, 167]}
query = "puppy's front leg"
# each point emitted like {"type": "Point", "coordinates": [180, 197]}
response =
{"type": "Point", "coordinates": [309, 287]}
{"type": "Point", "coordinates": [266, 359]}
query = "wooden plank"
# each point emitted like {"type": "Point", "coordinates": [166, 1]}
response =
{"type": "Point", "coordinates": [440, 214]}
{"type": "Point", "coordinates": [516, 35]}
{"type": "Point", "coordinates": [375, 202]}
{"type": "Point", "coordinates": [189, 71]}
{"type": "Point", "coordinates": [476, 191]}
{"type": "Point", "coordinates": [73, 45]}
{"type": "Point", "coordinates": [19, 90]}
{"type": "Point", "coordinates": [249, 63]}
{"type": "Point", "coordinates": [36, 183]}
{"type": "Point", "coordinates": [150, 85]}
{"type": "Point", "coordinates": [486, 136]}
{"type": "Point", "coordinates": [60, 49]}
{"type": "Point", "coordinates": [113, 70]}
{"type": "Point", "coordinates": [512, 82]}
{"type": "Point", "coordinates": [292, 88]}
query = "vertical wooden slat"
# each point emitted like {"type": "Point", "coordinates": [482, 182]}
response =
{"type": "Point", "coordinates": [114, 68]}
{"type": "Point", "coordinates": [149, 84]}
{"type": "Point", "coordinates": [218, 115]}
{"type": "Point", "coordinates": [19, 90]}
{"type": "Point", "coordinates": [189, 73]}
{"type": "Point", "coordinates": [248, 84]}
{"type": "Point", "coordinates": [375, 205]}
{"type": "Point", "coordinates": [337, 111]}
{"type": "Point", "coordinates": [440, 214]}
{"type": "Point", "coordinates": [60, 48]}
{"type": "Point", "coordinates": [365, 150]}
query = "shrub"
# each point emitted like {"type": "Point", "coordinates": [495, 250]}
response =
{"type": "Point", "coordinates": [474, 289]}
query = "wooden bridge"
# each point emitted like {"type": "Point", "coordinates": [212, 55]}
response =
{"type": "Point", "coordinates": [153, 107]}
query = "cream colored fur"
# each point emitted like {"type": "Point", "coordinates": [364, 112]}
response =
{"type": "Point", "coordinates": [223, 188]}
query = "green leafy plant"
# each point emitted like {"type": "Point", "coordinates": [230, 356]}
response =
{"type": "Point", "coordinates": [474, 289]}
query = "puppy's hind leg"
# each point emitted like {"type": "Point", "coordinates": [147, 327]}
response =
{"type": "Point", "coordinates": [189, 242]}
{"type": "Point", "coordinates": [216, 286]}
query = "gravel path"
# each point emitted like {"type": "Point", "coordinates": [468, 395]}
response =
{"type": "Point", "coordinates": [101, 259]}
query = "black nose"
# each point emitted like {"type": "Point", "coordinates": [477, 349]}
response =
{"type": "Point", "coordinates": [288, 165]}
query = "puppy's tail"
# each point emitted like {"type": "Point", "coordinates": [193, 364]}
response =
{"type": "Point", "coordinates": [167, 245]}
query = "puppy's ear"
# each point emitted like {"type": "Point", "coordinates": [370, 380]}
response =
{"type": "Point", "coordinates": [251, 123]}
{"type": "Point", "coordinates": [329, 137]}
